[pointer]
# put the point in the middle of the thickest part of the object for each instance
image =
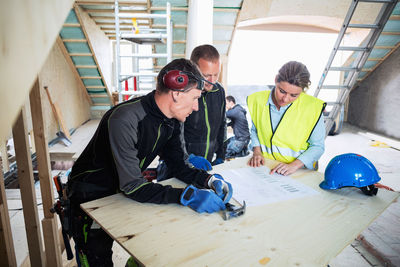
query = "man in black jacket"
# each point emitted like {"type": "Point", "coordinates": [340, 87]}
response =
{"type": "Point", "coordinates": [205, 130]}
{"type": "Point", "coordinates": [127, 140]}
{"type": "Point", "coordinates": [237, 145]}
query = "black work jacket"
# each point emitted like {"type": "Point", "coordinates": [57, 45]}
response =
{"type": "Point", "coordinates": [205, 130]}
{"type": "Point", "coordinates": [128, 138]}
{"type": "Point", "coordinates": [238, 122]}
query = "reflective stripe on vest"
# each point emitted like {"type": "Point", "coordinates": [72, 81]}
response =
{"type": "Point", "coordinates": [290, 138]}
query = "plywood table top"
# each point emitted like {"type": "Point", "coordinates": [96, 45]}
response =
{"type": "Point", "coordinates": [300, 232]}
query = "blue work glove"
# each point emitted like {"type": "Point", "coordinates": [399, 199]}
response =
{"type": "Point", "coordinates": [217, 161]}
{"type": "Point", "coordinates": [200, 162]}
{"type": "Point", "coordinates": [222, 188]}
{"type": "Point", "coordinates": [201, 200]}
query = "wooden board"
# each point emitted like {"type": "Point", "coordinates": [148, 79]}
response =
{"type": "Point", "coordinates": [80, 138]}
{"type": "Point", "coordinates": [301, 232]}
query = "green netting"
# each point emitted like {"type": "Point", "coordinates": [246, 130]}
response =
{"type": "Point", "coordinates": [88, 82]}
{"type": "Point", "coordinates": [227, 3]}
{"type": "Point", "coordinates": [88, 72]}
{"type": "Point", "coordinates": [388, 40]}
{"type": "Point", "coordinates": [222, 48]}
{"type": "Point", "coordinates": [392, 26]}
{"type": "Point", "coordinates": [77, 47]}
{"type": "Point", "coordinates": [72, 17]}
{"type": "Point", "coordinates": [376, 53]}
{"type": "Point", "coordinates": [86, 60]}
{"type": "Point", "coordinates": [163, 3]}
{"type": "Point", "coordinates": [222, 35]}
{"type": "Point", "coordinates": [396, 10]}
{"type": "Point", "coordinates": [179, 34]}
{"type": "Point", "coordinates": [104, 100]}
{"type": "Point", "coordinates": [224, 18]}
{"type": "Point", "coordinates": [100, 107]}
{"type": "Point", "coordinates": [96, 91]}
{"type": "Point", "coordinates": [177, 17]}
{"type": "Point", "coordinates": [72, 33]}
{"type": "Point", "coordinates": [362, 74]}
{"type": "Point", "coordinates": [370, 64]}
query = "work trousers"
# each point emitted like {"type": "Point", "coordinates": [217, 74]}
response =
{"type": "Point", "coordinates": [93, 245]}
{"type": "Point", "coordinates": [236, 148]}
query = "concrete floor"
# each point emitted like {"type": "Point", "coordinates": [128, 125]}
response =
{"type": "Point", "coordinates": [382, 236]}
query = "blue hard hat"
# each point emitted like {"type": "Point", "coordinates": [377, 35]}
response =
{"type": "Point", "coordinates": [351, 170]}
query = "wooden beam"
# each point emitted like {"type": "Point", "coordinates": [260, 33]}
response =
{"type": "Point", "coordinates": [4, 156]}
{"type": "Point", "coordinates": [28, 194]}
{"type": "Point", "coordinates": [49, 224]}
{"type": "Point", "coordinates": [7, 253]}
{"type": "Point", "coordinates": [80, 54]}
{"type": "Point", "coordinates": [18, 20]}
{"type": "Point", "coordinates": [73, 69]}
{"type": "Point", "coordinates": [78, 15]}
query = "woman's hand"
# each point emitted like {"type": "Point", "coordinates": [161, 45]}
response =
{"type": "Point", "coordinates": [257, 159]}
{"type": "Point", "coordinates": [287, 169]}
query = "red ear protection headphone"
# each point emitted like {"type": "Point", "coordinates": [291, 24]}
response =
{"type": "Point", "coordinates": [177, 80]}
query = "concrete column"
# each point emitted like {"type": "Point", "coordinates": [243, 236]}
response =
{"type": "Point", "coordinates": [199, 24]}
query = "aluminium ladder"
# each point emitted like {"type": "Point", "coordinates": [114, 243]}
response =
{"type": "Point", "coordinates": [146, 36]}
{"type": "Point", "coordinates": [351, 73]}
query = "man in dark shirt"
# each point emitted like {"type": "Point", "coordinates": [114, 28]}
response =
{"type": "Point", "coordinates": [237, 145]}
{"type": "Point", "coordinates": [128, 138]}
{"type": "Point", "coordinates": [205, 130]}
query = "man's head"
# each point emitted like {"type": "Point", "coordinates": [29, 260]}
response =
{"type": "Point", "coordinates": [230, 102]}
{"type": "Point", "coordinates": [180, 103]}
{"type": "Point", "coordinates": [290, 81]}
{"type": "Point", "coordinates": [208, 60]}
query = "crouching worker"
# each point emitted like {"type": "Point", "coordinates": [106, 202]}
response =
{"type": "Point", "coordinates": [127, 140]}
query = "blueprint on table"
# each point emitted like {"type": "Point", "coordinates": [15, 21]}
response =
{"type": "Point", "coordinates": [257, 187]}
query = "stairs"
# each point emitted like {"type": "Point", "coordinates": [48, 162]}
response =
{"type": "Point", "coordinates": [84, 64]}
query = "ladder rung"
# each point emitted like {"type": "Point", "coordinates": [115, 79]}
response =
{"type": "Point", "coordinates": [342, 69]}
{"type": "Point", "coordinates": [377, 1]}
{"type": "Point", "coordinates": [335, 87]}
{"type": "Point", "coordinates": [90, 77]}
{"type": "Point", "coordinates": [74, 40]}
{"type": "Point", "coordinates": [98, 95]}
{"type": "Point", "coordinates": [332, 103]}
{"type": "Point", "coordinates": [352, 48]}
{"type": "Point", "coordinates": [80, 54]}
{"type": "Point", "coordinates": [71, 25]}
{"type": "Point", "coordinates": [95, 87]}
{"type": "Point", "coordinates": [364, 26]}
{"type": "Point", "coordinates": [86, 66]}
{"type": "Point", "coordinates": [101, 104]}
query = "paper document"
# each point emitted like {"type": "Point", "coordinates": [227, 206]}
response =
{"type": "Point", "coordinates": [257, 187]}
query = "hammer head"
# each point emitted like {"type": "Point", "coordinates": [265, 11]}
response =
{"type": "Point", "coordinates": [233, 211]}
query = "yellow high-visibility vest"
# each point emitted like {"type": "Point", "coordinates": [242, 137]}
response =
{"type": "Point", "coordinates": [290, 138]}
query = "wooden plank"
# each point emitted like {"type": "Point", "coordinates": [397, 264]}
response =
{"type": "Point", "coordinates": [60, 119]}
{"type": "Point", "coordinates": [4, 156]}
{"type": "Point", "coordinates": [7, 253]}
{"type": "Point", "coordinates": [79, 139]}
{"type": "Point", "coordinates": [57, 114]}
{"type": "Point", "coordinates": [307, 231]}
{"type": "Point", "coordinates": [28, 196]}
{"type": "Point", "coordinates": [44, 22]}
{"type": "Point", "coordinates": [99, 45]}
{"type": "Point", "coordinates": [51, 241]}
{"type": "Point", "coordinates": [80, 54]}
{"type": "Point", "coordinates": [73, 69]}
